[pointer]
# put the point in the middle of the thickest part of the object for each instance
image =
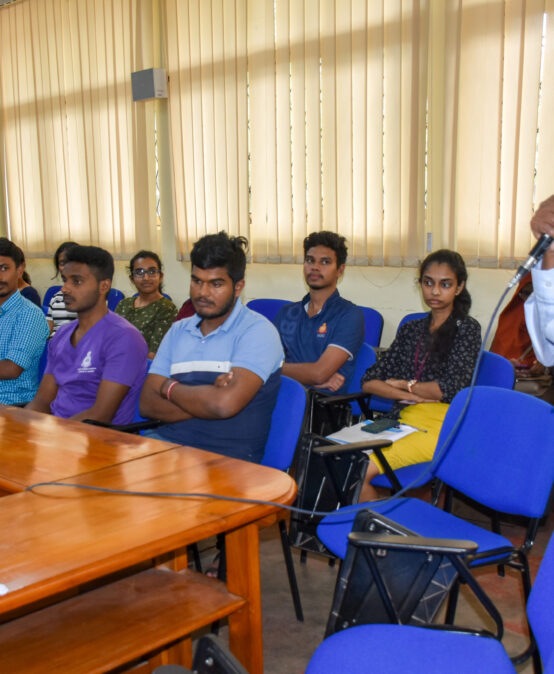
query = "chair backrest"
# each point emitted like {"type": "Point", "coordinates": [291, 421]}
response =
{"type": "Point", "coordinates": [114, 298]}
{"type": "Point", "coordinates": [495, 370]}
{"type": "Point", "coordinates": [539, 607]}
{"type": "Point", "coordinates": [42, 362]}
{"type": "Point", "coordinates": [267, 307]}
{"type": "Point", "coordinates": [502, 455]}
{"type": "Point", "coordinates": [373, 326]}
{"type": "Point", "coordinates": [50, 292]}
{"type": "Point", "coordinates": [366, 358]}
{"type": "Point", "coordinates": [286, 423]}
{"type": "Point", "coordinates": [138, 416]}
{"type": "Point", "coordinates": [411, 317]}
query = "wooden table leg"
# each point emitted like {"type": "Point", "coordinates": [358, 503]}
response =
{"type": "Point", "coordinates": [243, 578]}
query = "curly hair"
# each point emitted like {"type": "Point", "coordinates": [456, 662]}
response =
{"type": "Point", "coordinates": [330, 240]}
{"type": "Point", "coordinates": [221, 250]}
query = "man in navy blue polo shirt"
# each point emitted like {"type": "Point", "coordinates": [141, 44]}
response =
{"type": "Point", "coordinates": [322, 333]}
{"type": "Point", "coordinates": [216, 376]}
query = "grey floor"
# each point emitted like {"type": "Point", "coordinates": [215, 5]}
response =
{"type": "Point", "coordinates": [289, 644]}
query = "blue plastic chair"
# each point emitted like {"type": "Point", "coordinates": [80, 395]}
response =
{"type": "Point", "coordinates": [287, 421]}
{"type": "Point", "coordinates": [373, 321]}
{"type": "Point", "coordinates": [366, 358]}
{"type": "Point", "coordinates": [502, 457]}
{"type": "Point", "coordinates": [411, 317]}
{"type": "Point", "coordinates": [114, 298]}
{"type": "Point", "coordinates": [42, 362]}
{"type": "Point", "coordinates": [494, 370]}
{"type": "Point", "coordinates": [48, 295]}
{"type": "Point", "coordinates": [267, 307]}
{"type": "Point", "coordinates": [396, 649]}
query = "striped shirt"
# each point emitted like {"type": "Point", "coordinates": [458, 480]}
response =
{"type": "Point", "coordinates": [23, 334]}
{"type": "Point", "coordinates": [57, 313]}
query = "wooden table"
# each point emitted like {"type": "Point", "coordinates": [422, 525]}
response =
{"type": "Point", "coordinates": [37, 447]}
{"type": "Point", "coordinates": [57, 538]}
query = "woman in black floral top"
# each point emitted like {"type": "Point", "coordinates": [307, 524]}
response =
{"type": "Point", "coordinates": [430, 360]}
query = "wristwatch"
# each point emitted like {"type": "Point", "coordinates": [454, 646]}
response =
{"type": "Point", "coordinates": [411, 383]}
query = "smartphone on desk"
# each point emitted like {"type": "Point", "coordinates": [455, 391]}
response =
{"type": "Point", "coordinates": [380, 425]}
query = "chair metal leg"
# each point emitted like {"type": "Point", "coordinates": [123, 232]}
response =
{"type": "Point", "coordinates": [495, 527]}
{"type": "Point", "coordinates": [285, 543]}
{"type": "Point", "coordinates": [221, 572]}
{"type": "Point", "coordinates": [452, 603]}
{"type": "Point", "coordinates": [303, 556]}
{"type": "Point", "coordinates": [222, 568]}
{"type": "Point", "coordinates": [193, 551]}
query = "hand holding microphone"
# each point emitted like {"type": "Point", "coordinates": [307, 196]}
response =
{"type": "Point", "coordinates": [543, 223]}
{"type": "Point", "coordinates": [542, 226]}
{"type": "Point", "coordinates": [543, 220]}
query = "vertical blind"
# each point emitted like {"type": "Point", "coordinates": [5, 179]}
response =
{"type": "Point", "coordinates": [384, 121]}
{"type": "Point", "coordinates": [287, 117]}
{"type": "Point", "coordinates": [387, 121]}
{"type": "Point", "coordinates": [490, 137]}
{"type": "Point", "coordinates": [78, 154]}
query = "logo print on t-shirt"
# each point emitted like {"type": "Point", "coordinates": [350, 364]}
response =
{"type": "Point", "coordinates": [322, 330]}
{"type": "Point", "coordinates": [86, 364]}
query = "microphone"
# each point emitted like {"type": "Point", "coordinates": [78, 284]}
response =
{"type": "Point", "coordinates": [538, 250]}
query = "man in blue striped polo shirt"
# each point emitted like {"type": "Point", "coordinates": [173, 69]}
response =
{"type": "Point", "coordinates": [23, 331]}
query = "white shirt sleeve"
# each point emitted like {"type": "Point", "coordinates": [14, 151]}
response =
{"type": "Point", "coordinates": [539, 315]}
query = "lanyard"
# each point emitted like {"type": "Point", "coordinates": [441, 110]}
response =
{"type": "Point", "coordinates": [418, 366]}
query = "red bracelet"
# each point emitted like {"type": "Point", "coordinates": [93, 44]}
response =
{"type": "Point", "coordinates": [168, 391]}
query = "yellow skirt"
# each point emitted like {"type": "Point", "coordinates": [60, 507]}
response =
{"type": "Point", "coordinates": [419, 446]}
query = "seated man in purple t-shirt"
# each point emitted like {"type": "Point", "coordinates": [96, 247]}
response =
{"type": "Point", "coordinates": [96, 364]}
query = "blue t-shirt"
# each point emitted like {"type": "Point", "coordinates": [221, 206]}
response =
{"type": "Point", "coordinates": [340, 323]}
{"type": "Point", "coordinates": [112, 350]}
{"type": "Point", "coordinates": [246, 340]}
{"type": "Point", "coordinates": [23, 334]}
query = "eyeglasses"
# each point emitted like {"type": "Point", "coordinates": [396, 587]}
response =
{"type": "Point", "coordinates": [140, 272]}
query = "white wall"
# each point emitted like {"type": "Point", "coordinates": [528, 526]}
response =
{"type": "Point", "coordinates": [390, 290]}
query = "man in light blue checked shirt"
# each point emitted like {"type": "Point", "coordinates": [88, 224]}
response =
{"type": "Point", "coordinates": [23, 331]}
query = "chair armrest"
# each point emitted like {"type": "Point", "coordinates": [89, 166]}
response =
{"type": "Point", "coordinates": [326, 450]}
{"type": "Point", "coordinates": [134, 427]}
{"type": "Point", "coordinates": [327, 399]}
{"type": "Point", "coordinates": [413, 543]}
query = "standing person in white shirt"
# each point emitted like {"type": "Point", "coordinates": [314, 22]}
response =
{"type": "Point", "coordinates": [539, 308]}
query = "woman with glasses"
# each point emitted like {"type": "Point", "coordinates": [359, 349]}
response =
{"type": "Point", "coordinates": [149, 311]}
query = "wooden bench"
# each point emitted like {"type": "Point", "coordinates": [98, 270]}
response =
{"type": "Point", "coordinates": [115, 625]}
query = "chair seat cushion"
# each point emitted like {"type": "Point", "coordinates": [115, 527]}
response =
{"type": "Point", "coordinates": [414, 514]}
{"type": "Point", "coordinates": [394, 648]}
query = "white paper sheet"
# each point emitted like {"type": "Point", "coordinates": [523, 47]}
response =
{"type": "Point", "coordinates": [355, 434]}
